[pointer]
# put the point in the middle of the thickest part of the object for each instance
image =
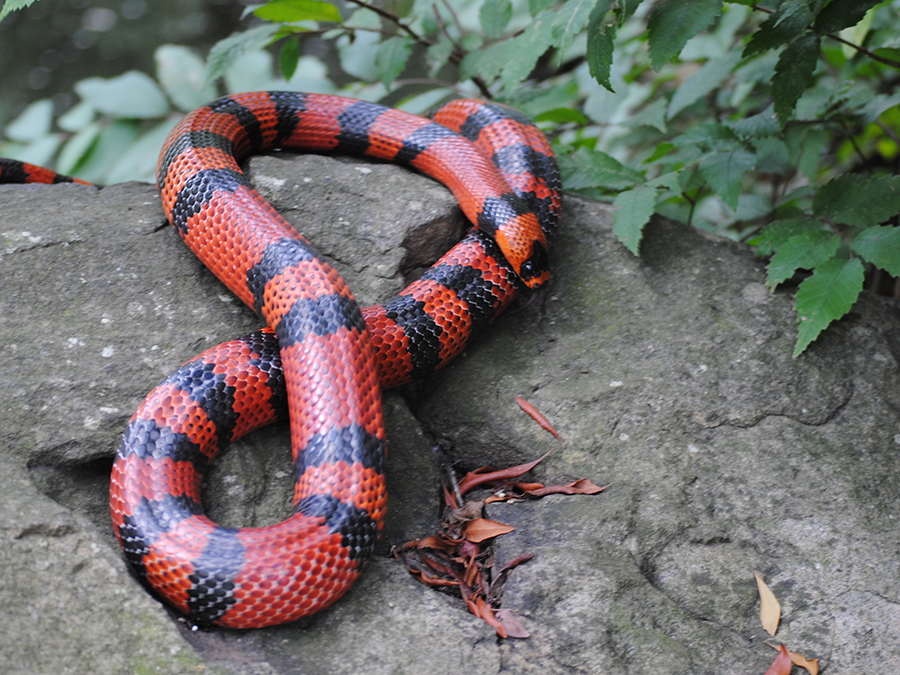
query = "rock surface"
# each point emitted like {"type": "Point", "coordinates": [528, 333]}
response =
{"type": "Point", "coordinates": [669, 376]}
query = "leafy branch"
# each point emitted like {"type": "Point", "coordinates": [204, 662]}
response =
{"type": "Point", "coordinates": [777, 125]}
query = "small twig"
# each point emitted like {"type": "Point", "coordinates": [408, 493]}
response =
{"type": "Point", "coordinates": [393, 18]}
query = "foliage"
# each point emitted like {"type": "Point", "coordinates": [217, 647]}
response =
{"type": "Point", "coordinates": [771, 122]}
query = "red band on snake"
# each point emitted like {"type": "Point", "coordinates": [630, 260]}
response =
{"type": "Point", "coordinates": [321, 359]}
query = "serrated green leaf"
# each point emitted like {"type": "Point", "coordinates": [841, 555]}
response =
{"type": "Point", "coordinates": [132, 95]}
{"type": "Point", "coordinates": [841, 14]}
{"type": "Point", "coordinates": [13, 5]}
{"type": "Point", "coordinates": [761, 125]}
{"type": "Point", "coordinates": [776, 233]}
{"type": "Point", "coordinates": [298, 10]}
{"type": "Point", "coordinates": [825, 297]}
{"type": "Point", "coordinates": [674, 22]}
{"type": "Point", "coordinates": [787, 23]}
{"type": "Point", "coordinates": [880, 246]}
{"type": "Point", "coordinates": [709, 77]}
{"type": "Point", "coordinates": [806, 250]}
{"type": "Point", "coordinates": [593, 168]}
{"type": "Point", "coordinates": [182, 75]}
{"type": "Point", "coordinates": [725, 170]}
{"type": "Point", "coordinates": [391, 58]}
{"type": "Point", "coordinates": [512, 60]}
{"type": "Point", "coordinates": [600, 39]}
{"type": "Point", "coordinates": [289, 57]}
{"type": "Point", "coordinates": [570, 20]}
{"type": "Point", "coordinates": [861, 201]}
{"type": "Point", "coordinates": [32, 123]}
{"type": "Point", "coordinates": [225, 52]}
{"type": "Point", "coordinates": [793, 74]}
{"type": "Point", "coordinates": [633, 211]}
{"type": "Point", "coordinates": [494, 17]}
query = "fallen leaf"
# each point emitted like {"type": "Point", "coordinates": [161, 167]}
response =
{"type": "Point", "coordinates": [781, 665]}
{"type": "Point", "coordinates": [510, 621]}
{"type": "Point", "coordinates": [579, 487]}
{"type": "Point", "coordinates": [769, 607]}
{"type": "Point", "coordinates": [482, 528]}
{"type": "Point", "coordinates": [483, 610]}
{"type": "Point", "coordinates": [535, 414]}
{"type": "Point", "coordinates": [811, 665]}
{"type": "Point", "coordinates": [481, 476]}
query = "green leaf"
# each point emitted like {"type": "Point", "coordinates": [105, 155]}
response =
{"type": "Point", "coordinates": [570, 20]}
{"type": "Point", "coordinates": [633, 211]}
{"type": "Point", "coordinates": [391, 58]}
{"type": "Point", "coordinates": [662, 149]}
{"type": "Point", "coordinates": [561, 116]}
{"type": "Point", "coordinates": [537, 6]}
{"type": "Point", "coordinates": [13, 5]}
{"type": "Point", "coordinates": [494, 17]}
{"type": "Point", "coordinates": [593, 168]}
{"type": "Point", "coordinates": [725, 170]}
{"type": "Point", "coordinates": [761, 125]}
{"type": "Point", "coordinates": [32, 123]}
{"type": "Point", "coordinates": [512, 60]}
{"type": "Point", "coordinates": [841, 14]}
{"type": "Point", "coordinates": [776, 233]}
{"type": "Point", "coordinates": [787, 23]}
{"type": "Point", "coordinates": [600, 40]}
{"type": "Point", "coordinates": [861, 201]}
{"type": "Point", "coordinates": [793, 74]}
{"type": "Point", "coordinates": [182, 75]}
{"type": "Point", "coordinates": [674, 22]}
{"type": "Point", "coordinates": [225, 52]}
{"type": "Point", "coordinates": [880, 246]}
{"type": "Point", "coordinates": [298, 10]}
{"type": "Point", "coordinates": [77, 148]}
{"type": "Point", "coordinates": [132, 95]}
{"type": "Point", "coordinates": [709, 77]}
{"type": "Point", "coordinates": [826, 296]}
{"type": "Point", "coordinates": [802, 251]}
{"type": "Point", "coordinates": [289, 57]}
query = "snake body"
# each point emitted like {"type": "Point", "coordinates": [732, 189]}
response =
{"type": "Point", "coordinates": [321, 361]}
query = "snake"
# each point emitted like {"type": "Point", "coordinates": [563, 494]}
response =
{"type": "Point", "coordinates": [320, 361]}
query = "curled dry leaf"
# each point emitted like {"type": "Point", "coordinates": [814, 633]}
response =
{"type": "Point", "coordinates": [781, 665]}
{"type": "Point", "coordinates": [536, 415]}
{"type": "Point", "coordinates": [481, 528]}
{"type": "Point", "coordinates": [769, 607]}
{"type": "Point", "coordinates": [485, 475]}
{"type": "Point", "coordinates": [811, 665]}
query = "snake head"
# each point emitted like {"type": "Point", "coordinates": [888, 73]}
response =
{"type": "Point", "coordinates": [535, 270]}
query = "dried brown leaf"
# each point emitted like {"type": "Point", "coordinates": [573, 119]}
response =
{"type": "Point", "coordinates": [484, 611]}
{"type": "Point", "coordinates": [769, 607]}
{"type": "Point", "coordinates": [510, 621]}
{"type": "Point", "coordinates": [535, 414]}
{"type": "Point", "coordinates": [482, 476]}
{"type": "Point", "coordinates": [579, 487]}
{"type": "Point", "coordinates": [811, 665]}
{"type": "Point", "coordinates": [482, 528]}
{"type": "Point", "coordinates": [781, 665]}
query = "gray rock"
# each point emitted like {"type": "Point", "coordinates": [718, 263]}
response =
{"type": "Point", "coordinates": [669, 376]}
